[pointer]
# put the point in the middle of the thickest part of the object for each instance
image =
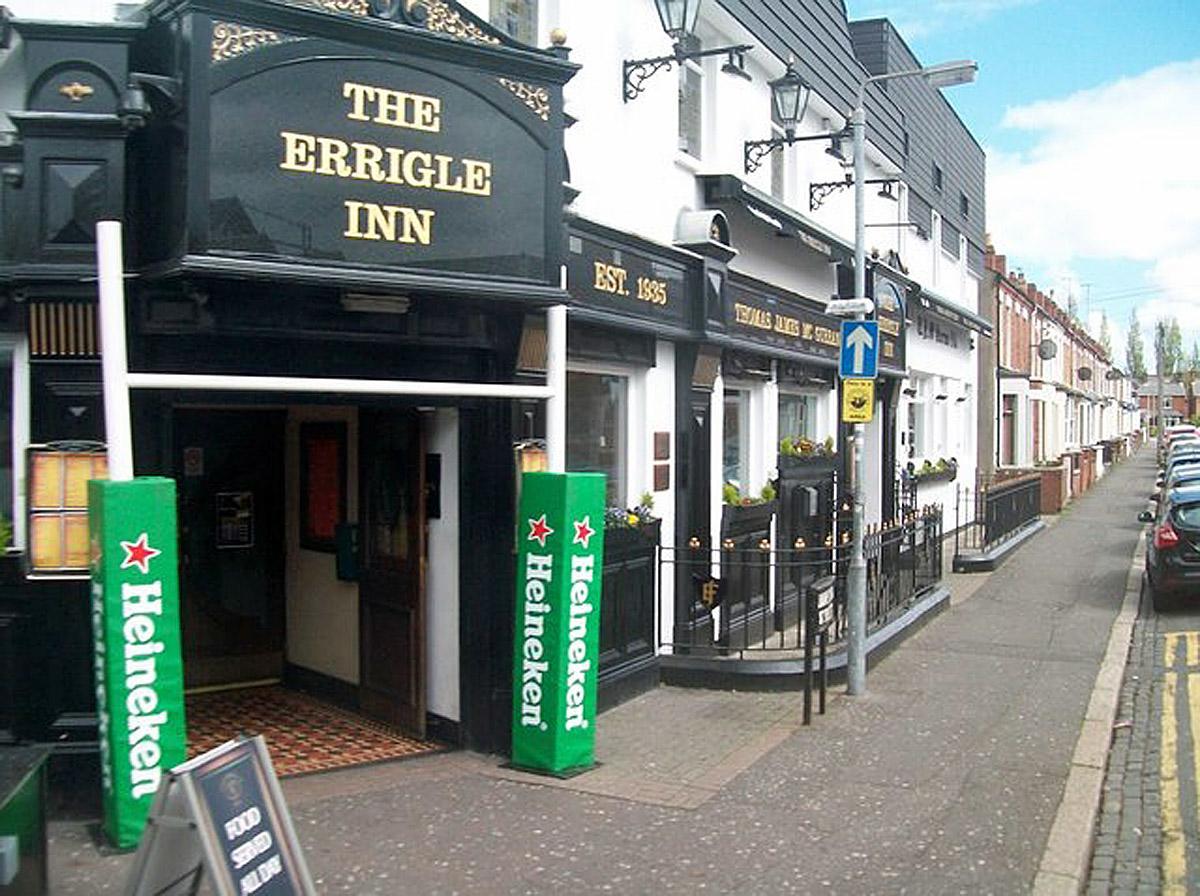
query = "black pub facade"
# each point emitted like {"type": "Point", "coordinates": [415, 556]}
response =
{"type": "Point", "coordinates": [320, 189]}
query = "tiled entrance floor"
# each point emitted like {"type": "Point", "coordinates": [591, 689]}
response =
{"type": "Point", "coordinates": [303, 734]}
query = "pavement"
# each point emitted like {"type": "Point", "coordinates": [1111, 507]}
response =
{"type": "Point", "coordinates": [973, 764]}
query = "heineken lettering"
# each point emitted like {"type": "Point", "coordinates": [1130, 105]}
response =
{"type": "Point", "coordinates": [533, 667]}
{"type": "Point", "coordinates": [557, 616]}
{"type": "Point", "coordinates": [135, 622]}
{"type": "Point", "coordinates": [578, 665]}
{"type": "Point", "coordinates": [141, 649]}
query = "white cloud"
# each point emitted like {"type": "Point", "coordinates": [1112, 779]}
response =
{"type": "Point", "coordinates": [1109, 176]}
{"type": "Point", "coordinates": [1105, 179]}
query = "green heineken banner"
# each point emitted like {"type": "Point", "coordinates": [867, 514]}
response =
{"type": "Point", "coordinates": [560, 557]}
{"type": "Point", "coordinates": [135, 627]}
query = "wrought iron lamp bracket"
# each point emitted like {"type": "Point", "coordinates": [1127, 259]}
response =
{"type": "Point", "coordinates": [818, 193]}
{"type": "Point", "coordinates": [754, 151]}
{"type": "Point", "coordinates": [636, 72]}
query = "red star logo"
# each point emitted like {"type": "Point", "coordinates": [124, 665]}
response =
{"type": "Point", "coordinates": [538, 530]}
{"type": "Point", "coordinates": [139, 553]}
{"type": "Point", "coordinates": [583, 531]}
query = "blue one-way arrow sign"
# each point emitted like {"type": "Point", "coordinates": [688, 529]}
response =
{"type": "Point", "coordinates": [860, 349]}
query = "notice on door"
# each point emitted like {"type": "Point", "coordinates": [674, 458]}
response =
{"type": "Point", "coordinates": [235, 519]}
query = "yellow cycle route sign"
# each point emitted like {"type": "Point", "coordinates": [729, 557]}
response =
{"type": "Point", "coordinates": [858, 400]}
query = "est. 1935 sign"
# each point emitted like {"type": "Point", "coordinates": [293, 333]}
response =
{"type": "Point", "coordinates": [372, 162]}
{"type": "Point", "coordinates": [560, 557]}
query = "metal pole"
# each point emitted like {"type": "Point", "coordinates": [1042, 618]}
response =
{"type": "Point", "coordinates": [114, 362]}
{"type": "Point", "coordinates": [556, 379]}
{"type": "Point", "coordinates": [856, 579]}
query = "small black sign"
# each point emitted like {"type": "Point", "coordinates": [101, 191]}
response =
{"type": "Point", "coordinates": [891, 299]}
{"type": "Point", "coordinates": [626, 280]}
{"type": "Point", "coordinates": [246, 823]}
{"type": "Point", "coordinates": [775, 320]}
{"type": "Point", "coordinates": [221, 815]}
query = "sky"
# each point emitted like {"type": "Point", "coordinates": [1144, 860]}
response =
{"type": "Point", "coordinates": [1089, 112]}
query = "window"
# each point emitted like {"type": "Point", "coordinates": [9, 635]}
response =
{"type": "Point", "coordinates": [596, 438]}
{"type": "Point", "coordinates": [691, 90]}
{"type": "Point", "coordinates": [937, 177]}
{"type": "Point", "coordinates": [735, 453]}
{"type": "Point", "coordinates": [797, 416]}
{"type": "Point", "coordinates": [516, 18]}
{"type": "Point", "coordinates": [964, 205]}
{"type": "Point", "coordinates": [916, 429]}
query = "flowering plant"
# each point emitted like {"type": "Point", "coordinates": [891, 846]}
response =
{"type": "Point", "coordinates": [641, 514]}
{"type": "Point", "coordinates": [799, 446]}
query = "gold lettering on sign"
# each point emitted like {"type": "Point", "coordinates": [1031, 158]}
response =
{"type": "Point", "coordinates": [750, 316]}
{"type": "Point", "coordinates": [826, 336]}
{"type": "Point", "coordinates": [788, 326]}
{"type": "Point", "coordinates": [332, 157]}
{"type": "Point", "coordinates": [360, 160]}
{"type": "Point", "coordinates": [370, 221]}
{"type": "Point", "coordinates": [889, 326]}
{"type": "Point", "coordinates": [395, 108]}
{"type": "Point", "coordinates": [889, 349]}
{"type": "Point", "coordinates": [611, 279]}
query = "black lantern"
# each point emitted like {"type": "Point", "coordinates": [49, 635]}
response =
{"type": "Point", "coordinates": [789, 99]}
{"type": "Point", "coordinates": [678, 17]}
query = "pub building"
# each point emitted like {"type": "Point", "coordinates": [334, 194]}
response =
{"type": "Point", "coordinates": [335, 189]}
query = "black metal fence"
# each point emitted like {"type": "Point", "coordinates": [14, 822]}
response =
{"type": "Point", "coordinates": [750, 600]}
{"type": "Point", "coordinates": [986, 516]}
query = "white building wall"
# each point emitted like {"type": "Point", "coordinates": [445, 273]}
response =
{"type": "Point", "coordinates": [322, 612]}
{"type": "Point", "coordinates": [441, 584]}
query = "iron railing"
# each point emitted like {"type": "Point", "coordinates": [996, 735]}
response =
{"type": "Point", "coordinates": [750, 601]}
{"type": "Point", "coordinates": [987, 516]}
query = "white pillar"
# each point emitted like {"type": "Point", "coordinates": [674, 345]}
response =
{"type": "Point", "coordinates": [556, 379]}
{"type": "Point", "coordinates": [113, 358]}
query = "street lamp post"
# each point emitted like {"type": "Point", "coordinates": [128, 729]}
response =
{"type": "Point", "coordinates": [945, 74]}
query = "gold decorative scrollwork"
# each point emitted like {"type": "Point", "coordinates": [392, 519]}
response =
{"type": "Point", "coordinates": [353, 7]}
{"type": "Point", "coordinates": [440, 17]}
{"type": "Point", "coordinates": [536, 98]}
{"type": "Point", "coordinates": [76, 92]}
{"type": "Point", "coordinates": [230, 40]}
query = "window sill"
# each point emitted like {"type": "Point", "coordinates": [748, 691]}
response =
{"type": "Point", "coordinates": [687, 162]}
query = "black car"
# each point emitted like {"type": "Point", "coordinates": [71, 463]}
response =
{"type": "Point", "coordinates": [1173, 551]}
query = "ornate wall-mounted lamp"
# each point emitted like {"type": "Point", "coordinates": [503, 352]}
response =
{"type": "Point", "coordinates": [789, 99]}
{"type": "Point", "coordinates": [678, 18]}
{"type": "Point", "coordinates": [135, 107]}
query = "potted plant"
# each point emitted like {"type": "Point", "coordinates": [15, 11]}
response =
{"type": "Point", "coordinates": [798, 454]}
{"type": "Point", "coordinates": [631, 529]}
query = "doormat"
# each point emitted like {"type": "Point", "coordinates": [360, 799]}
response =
{"type": "Point", "coordinates": [303, 734]}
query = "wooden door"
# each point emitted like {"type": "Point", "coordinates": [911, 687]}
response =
{"type": "Point", "coordinates": [392, 572]}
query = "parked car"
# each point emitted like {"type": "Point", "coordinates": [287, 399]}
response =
{"type": "Point", "coordinates": [1187, 459]}
{"type": "Point", "coordinates": [1173, 551]}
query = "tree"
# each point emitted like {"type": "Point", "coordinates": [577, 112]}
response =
{"type": "Point", "coordinates": [1135, 351]}
{"type": "Point", "coordinates": [1105, 335]}
{"type": "Point", "coordinates": [1189, 375]}
{"type": "Point", "coordinates": [1173, 357]}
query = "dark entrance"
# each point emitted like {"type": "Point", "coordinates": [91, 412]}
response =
{"type": "Point", "coordinates": [392, 574]}
{"type": "Point", "coordinates": [229, 468]}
